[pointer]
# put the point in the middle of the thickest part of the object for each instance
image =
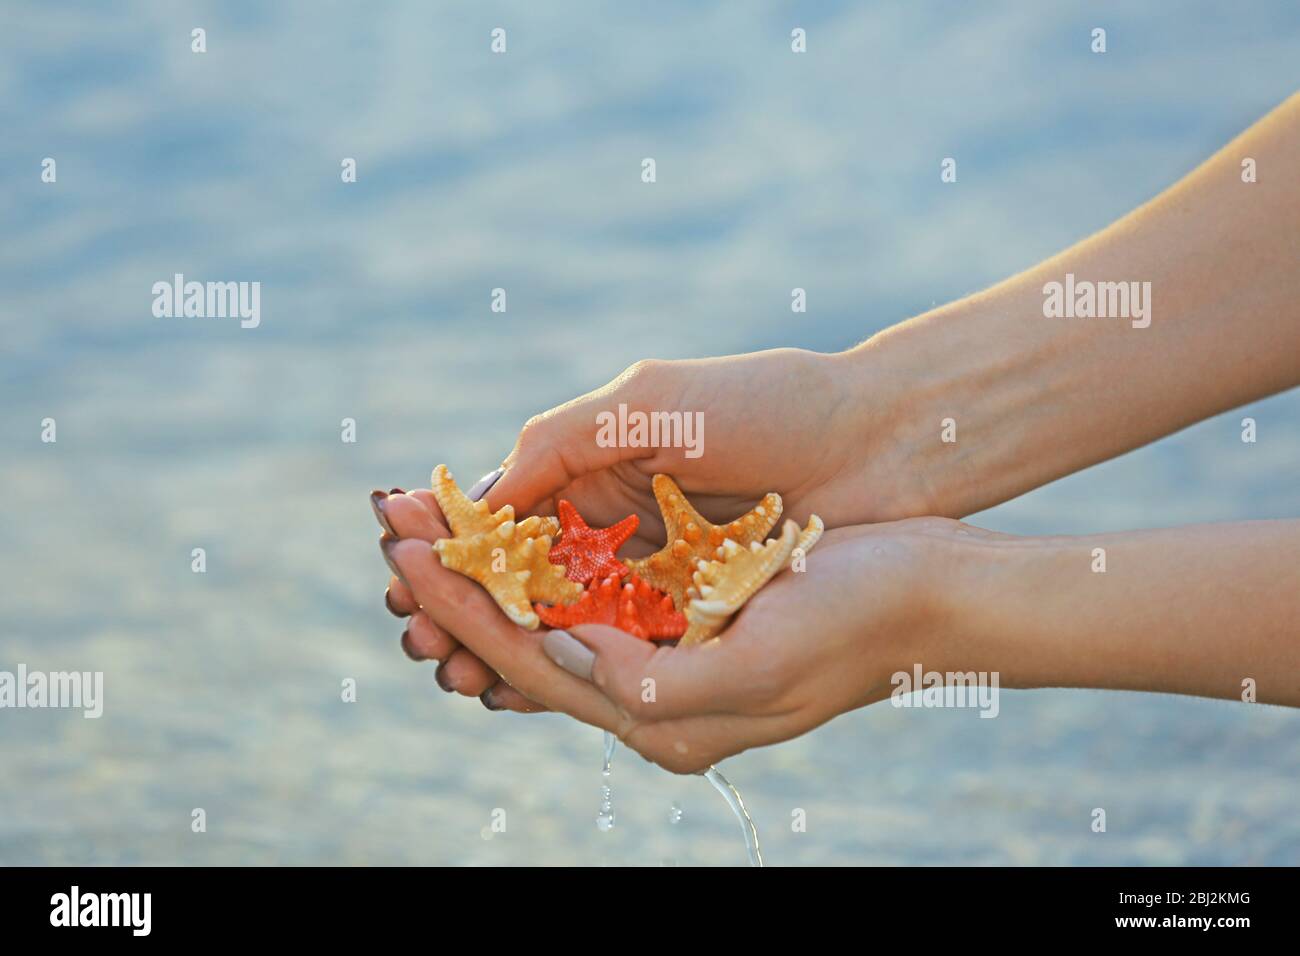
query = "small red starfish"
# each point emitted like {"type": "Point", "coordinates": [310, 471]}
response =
{"type": "Point", "coordinates": [634, 607]}
{"type": "Point", "coordinates": [588, 553]}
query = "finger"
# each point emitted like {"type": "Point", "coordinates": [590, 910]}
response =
{"type": "Point", "coordinates": [409, 518]}
{"type": "Point", "coordinates": [425, 641]}
{"type": "Point", "coordinates": [480, 488]}
{"type": "Point", "coordinates": [377, 506]}
{"type": "Point", "coordinates": [426, 523]}
{"type": "Point", "coordinates": [425, 497]}
{"type": "Point", "coordinates": [558, 447]}
{"type": "Point", "coordinates": [464, 609]}
{"type": "Point", "coordinates": [663, 683]}
{"type": "Point", "coordinates": [501, 696]}
{"type": "Point", "coordinates": [464, 673]}
{"type": "Point", "coordinates": [412, 521]}
{"type": "Point", "coordinates": [399, 599]}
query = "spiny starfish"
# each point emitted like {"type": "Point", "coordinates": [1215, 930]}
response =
{"type": "Point", "coordinates": [692, 538]}
{"type": "Point", "coordinates": [466, 517]}
{"type": "Point", "coordinates": [509, 559]}
{"type": "Point", "coordinates": [587, 552]}
{"type": "Point", "coordinates": [634, 607]}
{"type": "Point", "coordinates": [722, 586]}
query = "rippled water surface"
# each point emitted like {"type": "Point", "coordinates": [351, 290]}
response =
{"type": "Point", "coordinates": [522, 171]}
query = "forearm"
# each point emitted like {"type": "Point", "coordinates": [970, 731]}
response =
{"type": "Point", "coordinates": [1194, 610]}
{"type": "Point", "coordinates": [1033, 398]}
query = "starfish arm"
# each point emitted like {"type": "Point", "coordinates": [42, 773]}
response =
{"type": "Point", "coordinates": [722, 586]}
{"type": "Point", "coordinates": [569, 516]}
{"type": "Point", "coordinates": [465, 517]}
{"type": "Point", "coordinates": [510, 560]}
{"type": "Point", "coordinates": [619, 533]}
{"type": "Point", "coordinates": [810, 535]}
{"type": "Point", "coordinates": [692, 538]}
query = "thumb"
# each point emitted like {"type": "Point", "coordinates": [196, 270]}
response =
{"type": "Point", "coordinates": [580, 437]}
{"type": "Point", "coordinates": [662, 683]}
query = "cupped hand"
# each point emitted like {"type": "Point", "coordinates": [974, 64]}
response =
{"type": "Point", "coordinates": [806, 648]}
{"type": "Point", "coordinates": [809, 646]}
{"type": "Point", "coordinates": [416, 517]}
{"type": "Point", "coordinates": [784, 420]}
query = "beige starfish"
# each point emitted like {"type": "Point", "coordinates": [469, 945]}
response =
{"type": "Point", "coordinates": [509, 558]}
{"type": "Point", "coordinates": [466, 517]}
{"type": "Point", "coordinates": [722, 586]}
{"type": "Point", "coordinates": [810, 535]}
{"type": "Point", "coordinates": [691, 538]}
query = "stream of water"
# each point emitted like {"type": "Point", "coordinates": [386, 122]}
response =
{"type": "Point", "coordinates": [732, 796]}
{"type": "Point", "coordinates": [605, 816]}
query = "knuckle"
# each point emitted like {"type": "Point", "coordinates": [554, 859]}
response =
{"type": "Point", "coordinates": [641, 372]}
{"type": "Point", "coordinates": [934, 523]}
{"type": "Point", "coordinates": [532, 430]}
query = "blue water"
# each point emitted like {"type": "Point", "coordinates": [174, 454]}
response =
{"type": "Point", "coordinates": [522, 171]}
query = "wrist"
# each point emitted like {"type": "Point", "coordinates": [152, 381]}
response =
{"type": "Point", "coordinates": [950, 589]}
{"type": "Point", "coordinates": [950, 400]}
{"type": "Point", "coordinates": [920, 397]}
{"type": "Point", "coordinates": [1043, 612]}
{"type": "Point", "coordinates": [995, 604]}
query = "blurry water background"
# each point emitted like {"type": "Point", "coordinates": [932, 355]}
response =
{"type": "Point", "coordinates": [523, 171]}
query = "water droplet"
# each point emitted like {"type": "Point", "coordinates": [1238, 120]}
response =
{"type": "Point", "coordinates": [610, 743]}
{"type": "Point", "coordinates": [605, 817]}
{"type": "Point", "coordinates": [675, 813]}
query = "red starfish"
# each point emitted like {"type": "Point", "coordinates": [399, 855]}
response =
{"type": "Point", "coordinates": [634, 607]}
{"type": "Point", "coordinates": [588, 553]}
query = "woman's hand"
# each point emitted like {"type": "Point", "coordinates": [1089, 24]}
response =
{"type": "Point", "coordinates": [415, 517]}
{"type": "Point", "coordinates": [802, 424]}
{"type": "Point", "coordinates": [1207, 610]}
{"type": "Point", "coordinates": [795, 422]}
{"type": "Point", "coordinates": [809, 646]}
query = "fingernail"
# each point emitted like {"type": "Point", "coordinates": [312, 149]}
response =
{"type": "Point", "coordinates": [484, 484]}
{"type": "Point", "coordinates": [568, 652]}
{"type": "Point", "coordinates": [377, 505]}
{"type": "Point", "coordinates": [442, 678]}
{"type": "Point", "coordinates": [385, 545]}
{"type": "Point", "coordinates": [388, 603]}
{"type": "Point", "coordinates": [409, 648]}
{"type": "Point", "coordinates": [489, 700]}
